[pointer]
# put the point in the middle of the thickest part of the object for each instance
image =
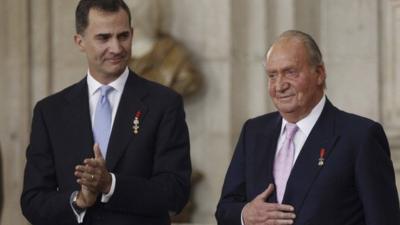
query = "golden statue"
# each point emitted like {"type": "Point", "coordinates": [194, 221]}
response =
{"type": "Point", "coordinates": [168, 64]}
{"type": "Point", "coordinates": [158, 57]}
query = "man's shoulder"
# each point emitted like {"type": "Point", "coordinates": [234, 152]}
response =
{"type": "Point", "coordinates": [58, 98]}
{"type": "Point", "coordinates": [272, 116]}
{"type": "Point", "coordinates": [155, 91]}
{"type": "Point", "coordinates": [354, 125]}
{"type": "Point", "coordinates": [264, 121]}
{"type": "Point", "coordinates": [156, 88]}
{"type": "Point", "coordinates": [348, 119]}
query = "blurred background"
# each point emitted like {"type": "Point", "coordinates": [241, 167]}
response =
{"type": "Point", "coordinates": [223, 43]}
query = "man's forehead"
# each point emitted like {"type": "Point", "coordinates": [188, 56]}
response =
{"type": "Point", "coordinates": [100, 21]}
{"type": "Point", "coordinates": [288, 44]}
{"type": "Point", "coordinates": [99, 10]}
{"type": "Point", "coordinates": [97, 15]}
{"type": "Point", "coordinates": [286, 49]}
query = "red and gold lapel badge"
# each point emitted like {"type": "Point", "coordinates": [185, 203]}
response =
{"type": "Point", "coordinates": [136, 122]}
{"type": "Point", "coordinates": [321, 157]}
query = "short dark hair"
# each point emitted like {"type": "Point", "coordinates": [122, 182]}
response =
{"type": "Point", "coordinates": [84, 6]}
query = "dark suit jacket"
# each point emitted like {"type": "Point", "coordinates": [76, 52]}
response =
{"type": "Point", "coordinates": [355, 186]}
{"type": "Point", "coordinates": [152, 168]}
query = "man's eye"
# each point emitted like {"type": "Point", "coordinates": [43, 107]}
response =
{"type": "Point", "coordinates": [124, 36]}
{"type": "Point", "coordinates": [291, 73]}
{"type": "Point", "coordinates": [272, 76]}
{"type": "Point", "coordinates": [102, 38]}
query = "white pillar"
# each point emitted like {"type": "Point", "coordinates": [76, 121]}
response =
{"type": "Point", "coordinates": [15, 91]}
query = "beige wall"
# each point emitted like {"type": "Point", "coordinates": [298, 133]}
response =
{"type": "Point", "coordinates": [227, 40]}
{"type": "Point", "coordinates": [14, 115]}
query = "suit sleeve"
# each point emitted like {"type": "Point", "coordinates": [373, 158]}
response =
{"type": "Point", "coordinates": [168, 188]}
{"type": "Point", "coordinates": [41, 201]}
{"type": "Point", "coordinates": [375, 179]}
{"type": "Point", "coordinates": [233, 197]}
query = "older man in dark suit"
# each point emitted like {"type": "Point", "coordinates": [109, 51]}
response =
{"type": "Point", "coordinates": [112, 148]}
{"type": "Point", "coordinates": [309, 163]}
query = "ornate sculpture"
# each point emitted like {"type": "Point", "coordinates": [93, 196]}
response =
{"type": "Point", "coordinates": [159, 57]}
{"type": "Point", "coordinates": [167, 63]}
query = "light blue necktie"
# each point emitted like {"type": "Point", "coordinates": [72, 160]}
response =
{"type": "Point", "coordinates": [102, 120]}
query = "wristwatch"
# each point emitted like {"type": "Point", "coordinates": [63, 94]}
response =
{"type": "Point", "coordinates": [76, 207]}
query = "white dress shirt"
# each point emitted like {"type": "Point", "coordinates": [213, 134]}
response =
{"type": "Point", "coordinates": [114, 98]}
{"type": "Point", "coordinates": [305, 126]}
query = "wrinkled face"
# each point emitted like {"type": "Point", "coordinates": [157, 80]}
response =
{"type": "Point", "coordinates": [107, 43]}
{"type": "Point", "coordinates": [294, 85]}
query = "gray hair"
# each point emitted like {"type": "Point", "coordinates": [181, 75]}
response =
{"type": "Point", "coordinates": [315, 56]}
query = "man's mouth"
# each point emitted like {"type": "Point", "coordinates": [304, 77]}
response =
{"type": "Point", "coordinates": [285, 96]}
{"type": "Point", "coordinates": [115, 60]}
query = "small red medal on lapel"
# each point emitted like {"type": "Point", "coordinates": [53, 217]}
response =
{"type": "Point", "coordinates": [135, 126]}
{"type": "Point", "coordinates": [321, 157]}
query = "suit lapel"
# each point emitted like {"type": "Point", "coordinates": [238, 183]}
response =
{"type": "Point", "coordinates": [78, 116]}
{"type": "Point", "coordinates": [122, 131]}
{"type": "Point", "coordinates": [265, 150]}
{"type": "Point", "coordinates": [306, 168]}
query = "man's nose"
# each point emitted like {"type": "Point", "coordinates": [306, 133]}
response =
{"type": "Point", "coordinates": [115, 46]}
{"type": "Point", "coordinates": [281, 84]}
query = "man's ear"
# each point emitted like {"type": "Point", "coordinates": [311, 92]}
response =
{"type": "Point", "coordinates": [321, 73]}
{"type": "Point", "coordinates": [78, 39]}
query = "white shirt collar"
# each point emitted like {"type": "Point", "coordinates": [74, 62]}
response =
{"type": "Point", "coordinates": [118, 84]}
{"type": "Point", "coordinates": [307, 123]}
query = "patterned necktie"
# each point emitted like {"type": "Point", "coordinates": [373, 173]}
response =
{"type": "Point", "coordinates": [102, 120]}
{"type": "Point", "coordinates": [284, 161]}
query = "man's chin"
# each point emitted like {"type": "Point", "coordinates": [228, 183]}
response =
{"type": "Point", "coordinates": [116, 71]}
{"type": "Point", "coordinates": [285, 107]}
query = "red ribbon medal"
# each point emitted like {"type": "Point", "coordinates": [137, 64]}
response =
{"type": "Point", "coordinates": [321, 157]}
{"type": "Point", "coordinates": [135, 126]}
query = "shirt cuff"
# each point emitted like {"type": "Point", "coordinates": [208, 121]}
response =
{"type": "Point", "coordinates": [79, 216]}
{"type": "Point", "coordinates": [106, 197]}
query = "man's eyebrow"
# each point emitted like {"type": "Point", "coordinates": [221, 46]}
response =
{"type": "Point", "coordinates": [103, 35]}
{"type": "Point", "coordinates": [124, 33]}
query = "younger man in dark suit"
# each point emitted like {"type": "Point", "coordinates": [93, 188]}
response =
{"type": "Point", "coordinates": [112, 148]}
{"type": "Point", "coordinates": [309, 163]}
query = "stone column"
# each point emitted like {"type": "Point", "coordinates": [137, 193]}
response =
{"type": "Point", "coordinates": [15, 91]}
{"type": "Point", "coordinates": [68, 64]}
{"type": "Point", "coordinates": [389, 76]}
{"type": "Point", "coordinates": [204, 27]}
{"type": "Point", "coordinates": [41, 49]}
{"type": "Point", "coordinates": [308, 17]}
{"type": "Point", "coordinates": [281, 14]}
{"type": "Point", "coordinates": [250, 40]}
{"type": "Point", "coordinates": [349, 43]}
